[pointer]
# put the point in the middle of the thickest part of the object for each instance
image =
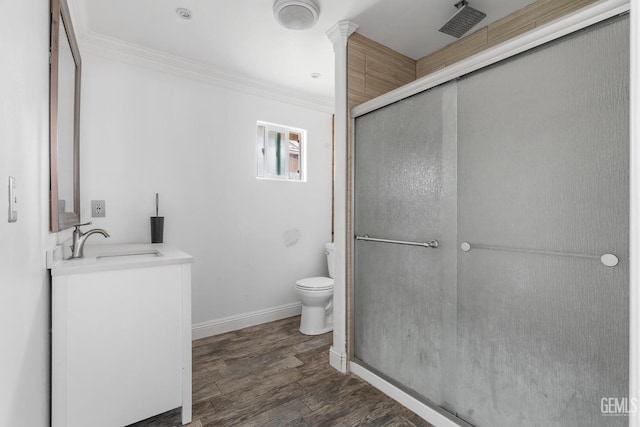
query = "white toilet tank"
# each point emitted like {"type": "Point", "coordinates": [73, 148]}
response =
{"type": "Point", "coordinates": [330, 248]}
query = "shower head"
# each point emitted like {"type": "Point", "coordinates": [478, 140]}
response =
{"type": "Point", "coordinates": [463, 20]}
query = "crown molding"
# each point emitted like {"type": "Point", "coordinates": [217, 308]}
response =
{"type": "Point", "coordinates": [340, 32]}
{"type": "Point", "coordinates": [79, 17]}
{"type": "Point", "coordinates": [112, 48]}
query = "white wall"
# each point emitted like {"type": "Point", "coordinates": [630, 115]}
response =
{"type": "Point", "coordinates": [24, 154]}
{"type": "Point", "coordinates": [145, 131]}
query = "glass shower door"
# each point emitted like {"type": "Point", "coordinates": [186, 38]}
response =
{"type": "Point", "coordinates": [521, 173]}
{"type": "Point", "coordinates": [405, 296]}
{"type": "Point", "coordinates": [542, 194]}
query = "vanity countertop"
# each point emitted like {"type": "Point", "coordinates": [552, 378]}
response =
{"type": "Point", "coordinates": [120, 256]}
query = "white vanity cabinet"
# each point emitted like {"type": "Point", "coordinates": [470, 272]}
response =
{"type": "Point", "coordinates": [121, 336]}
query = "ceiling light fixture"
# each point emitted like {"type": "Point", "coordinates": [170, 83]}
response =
{"type": "Point", "coordinates": [184, 13]}
{"type": "Point", "coordinates": [296, 14]}
{"type": "Point", "coordinates": [316, 75]}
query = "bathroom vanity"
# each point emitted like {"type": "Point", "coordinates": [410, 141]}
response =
{"type": "Point", "coordinates": [121, 335]}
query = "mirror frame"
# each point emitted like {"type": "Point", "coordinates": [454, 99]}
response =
{"type": "Point", "coordinates": [60, 15]}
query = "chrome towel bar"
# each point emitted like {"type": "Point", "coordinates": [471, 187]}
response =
{"type": "Point", "coordinates": [609, 260]}
{"type": "Point", "coordinates": [431, 244]}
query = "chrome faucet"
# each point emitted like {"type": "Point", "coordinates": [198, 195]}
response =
{"type": "Point", "coordinates": [79, 239]}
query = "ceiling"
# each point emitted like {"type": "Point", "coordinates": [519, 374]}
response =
{"type": "Point", "coordinates": [242, 38]}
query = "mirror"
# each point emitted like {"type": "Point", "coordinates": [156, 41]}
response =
{"type": "Point", "coordinates": [64, 120]}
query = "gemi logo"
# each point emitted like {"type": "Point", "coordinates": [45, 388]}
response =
{"type": "Point", "coordinates": [615, 406]}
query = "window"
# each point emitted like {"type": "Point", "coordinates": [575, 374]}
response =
{"type": "Point", "coordinates": [281, 152]}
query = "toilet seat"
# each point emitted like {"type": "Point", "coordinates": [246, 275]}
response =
{"type": "Point", "coordinates": [315, 284]}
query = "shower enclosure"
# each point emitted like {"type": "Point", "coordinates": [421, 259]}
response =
{"type": "Point", "coordinates": [517, 314]}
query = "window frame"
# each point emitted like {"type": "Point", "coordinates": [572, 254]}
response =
{"type": "Point", "coordinates": [263, 157]}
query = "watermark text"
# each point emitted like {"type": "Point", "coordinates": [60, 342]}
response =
{"type": "Point", "coordinates": [618, 406]}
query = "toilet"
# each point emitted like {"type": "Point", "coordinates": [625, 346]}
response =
{"type": "Point", "coordinates": [316, 295]}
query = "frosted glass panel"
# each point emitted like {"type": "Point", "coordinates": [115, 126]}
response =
{"type": "Point", "coordinates": [405, 175]}
{"type": "Point", "coordinates": [276, 153]}
{"type": "Point", "coordinates": [527, 156]}
{"type": "Point", "coordinates": [544, 165]}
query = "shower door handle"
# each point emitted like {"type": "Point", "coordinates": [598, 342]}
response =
{"type": "Point", "coordinates": [608, 260]}
{"type": "Point", "coordinates": [430, 244]}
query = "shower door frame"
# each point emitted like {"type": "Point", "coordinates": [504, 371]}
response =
{"type": "Point", "coordinates": [581, 19]}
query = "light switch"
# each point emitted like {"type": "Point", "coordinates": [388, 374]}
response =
{"type": "Point", "coordinates": [13, 200]}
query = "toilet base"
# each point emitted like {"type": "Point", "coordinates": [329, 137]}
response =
{"type": "Point", "coordinates": [314, 332]}
{"type": "Point", "coordinates": [315, 321]}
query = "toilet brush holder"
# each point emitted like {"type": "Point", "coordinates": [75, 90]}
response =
{"type": "Point", "coordinates": [157, 229]}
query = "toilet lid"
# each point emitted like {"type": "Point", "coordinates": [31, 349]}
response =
{"type": "Point", "coordinates": [315, 283]}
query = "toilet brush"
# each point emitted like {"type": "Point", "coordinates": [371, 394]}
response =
{"type": "Point", "coordinates": [157, 224]}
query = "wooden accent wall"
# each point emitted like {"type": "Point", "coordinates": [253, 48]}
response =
{"type": "Point", "coordinates": [374, 69]}
{"type": "Point", "coordinates": [536, 14]}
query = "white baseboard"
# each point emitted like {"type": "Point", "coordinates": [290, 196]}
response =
{"type": "Point", "coordinates": [422, 410]}
{"type": "Point", "coordinates": [232, 323]}
{"type": "Point", "coordinates": [338, 360]}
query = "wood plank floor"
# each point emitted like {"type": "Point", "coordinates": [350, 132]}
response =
{"type": "Point", "coordinates": [272, 375]}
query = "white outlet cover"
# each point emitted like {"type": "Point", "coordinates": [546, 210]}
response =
{"type": "Point", "coordinates": [98, 209]}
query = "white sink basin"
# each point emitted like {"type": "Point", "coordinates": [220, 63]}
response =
{"type": "Point", "coordinates": [133, 253]}
{"type": "Point", "coordinates": [116, 257]}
